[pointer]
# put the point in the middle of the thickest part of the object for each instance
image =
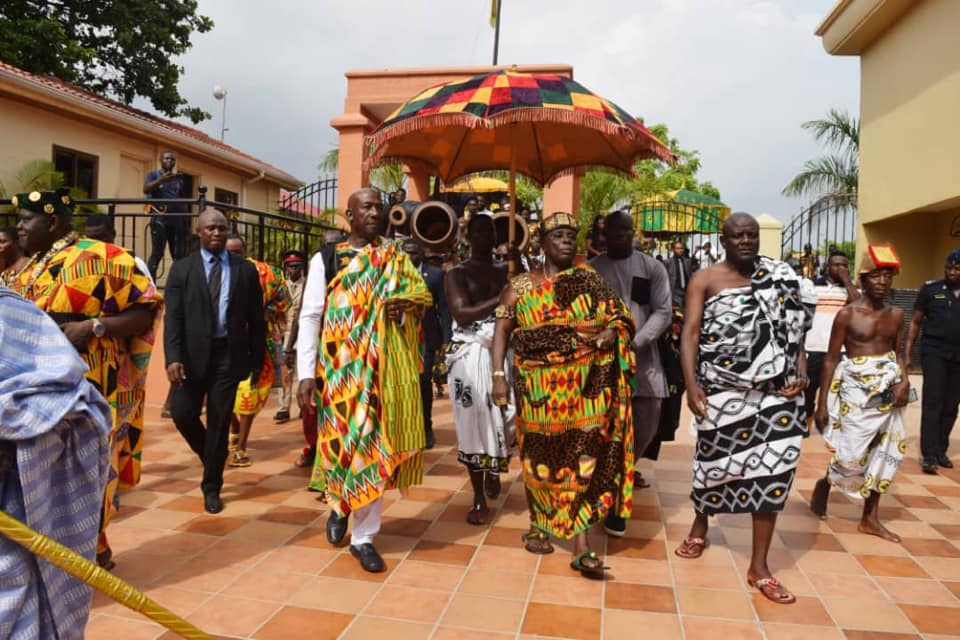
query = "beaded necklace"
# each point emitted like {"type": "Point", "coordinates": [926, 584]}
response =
{"type": "Point", "coordinates": [40, 264]}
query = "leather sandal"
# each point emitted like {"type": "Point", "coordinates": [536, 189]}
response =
{"type": "Point", "coordinates": [692, 548]}
{"type": "Point", "coordinates": [772, 590]}
{"type": "Point", "coordinates": [594, 570]}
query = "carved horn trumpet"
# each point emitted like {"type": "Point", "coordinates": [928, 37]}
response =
{"type": "Point", "coordinates": [434, 224]}
{"type": "Point", "coordinates": [400, 215]}
{"type": "Point", "coordinates": [501, 225]}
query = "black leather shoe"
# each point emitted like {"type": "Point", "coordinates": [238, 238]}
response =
{"type": "Point", "coordinates": [615, 525]}
{"type": "Point", "coordinates": [369, 559]}
{"type": "Point", "coordinates": [431, 440]}
{"type": "Point", "coordinates": [944, 461]}
{"type": "Point", "coordinates": [282, 416]}
{"type": "Point", "coordinates": [929, 466]}
{"type": "Point", "coordinates": [212, 503]}
{"type": "Point", "coordinates": [336, 528]}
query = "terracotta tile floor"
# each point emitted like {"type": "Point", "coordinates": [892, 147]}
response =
{"type": "Point", "coordinates": [263, 569]}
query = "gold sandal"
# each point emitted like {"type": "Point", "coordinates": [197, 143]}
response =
{"type": "Point", "coordinates": [240, 459]}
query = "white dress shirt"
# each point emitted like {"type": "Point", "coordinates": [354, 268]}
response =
{"type": "Point", "coordinates": [311, 318]}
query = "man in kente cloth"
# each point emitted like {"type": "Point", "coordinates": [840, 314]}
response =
{"type": "Point", "coordinates": [745, 372]}
{"type": "Point", "coordinates": [253, 394]}
{"type": "Point", "coordinates": [106, 307]}
{"type": "Point", "coordinates": [860, 410]}
{"type": "Point", "coordinates": [370, 428]}
{"type": "Point", "coordinates": [484, 431]}
{"type": "Point", "coordinates": [571, 335]}
{"type": "Point", "coordinates": [54, 462]}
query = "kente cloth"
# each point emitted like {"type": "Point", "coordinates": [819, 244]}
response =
{"type": "Point", "coordinates": [484, 430]}
{"type": "Point", "coordinates": [251, 397]}
{"type": "Point", "coordinates": [749, 442]}
{"type": "Point", "coordinates": [574, 416]}
{"type": "Point", "coordinates": [865, 433]}
{"type": "Point", "coordinates": [370, 429]}
{"type": "Point", "coordinates": [56, 428]}
{"type": "Point", "coordinates": [79, 279]}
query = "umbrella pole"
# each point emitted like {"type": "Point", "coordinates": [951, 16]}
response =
{"type": "Point", "coordinates": [98, 578]}
{"type": "Point", "coordinates": [512, 232]}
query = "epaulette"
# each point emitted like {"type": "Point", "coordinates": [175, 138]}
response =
{"type": "Point", "coordinates": [934, 281]}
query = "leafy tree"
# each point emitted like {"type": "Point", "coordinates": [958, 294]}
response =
{"type": "Point", "coordinates": [836, 175]}
{"type": "Point", "coordinates": [387, 176]}
{"type": "Point", "coordinates": [120, 48]}
{"type": "Point", "coordinates": [602, 191]}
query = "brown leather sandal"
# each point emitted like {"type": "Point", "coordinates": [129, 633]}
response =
{"type": "Point", "coordinates": [692, 548]}
{"type": "Point", "coordinates": [772, 590]}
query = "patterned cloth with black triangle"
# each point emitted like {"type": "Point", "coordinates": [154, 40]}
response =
{"type": "Point", "coordinates": [92, 279]}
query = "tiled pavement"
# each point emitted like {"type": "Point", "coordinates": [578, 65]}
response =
{"type": "Point", "coordinates": [262, 569]}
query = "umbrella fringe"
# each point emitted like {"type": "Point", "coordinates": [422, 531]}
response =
{"type": "Point", "coordinates": [511, 116]}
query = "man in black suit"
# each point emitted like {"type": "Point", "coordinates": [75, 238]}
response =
{"type": "Point", "coordinates": [214, 336]}
{"type": "Point", "coordinates": [679, 271]}
{"type": "Point", "coordinates": [437, 329]}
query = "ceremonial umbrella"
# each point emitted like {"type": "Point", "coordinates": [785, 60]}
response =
{"type": "Point", "coordinates": [477, 184]}
{"type": "Point", "coordinates": [681, 211]}
{"type": "Point", "coordinates": [540, 125]}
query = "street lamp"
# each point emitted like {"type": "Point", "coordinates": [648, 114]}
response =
{"type": "Point", "coordinates": [221, 94]}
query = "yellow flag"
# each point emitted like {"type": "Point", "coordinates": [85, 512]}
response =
{"type": "Point", "coordinates": [494, 8]}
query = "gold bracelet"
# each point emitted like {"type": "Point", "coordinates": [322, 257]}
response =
{"type": "Point", "coordinates": [503, 311]}
{"type": "Point", "coordinates": [499, 374]}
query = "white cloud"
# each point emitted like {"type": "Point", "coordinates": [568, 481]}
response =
{"type": "Point", "coordinates": [732, 78]}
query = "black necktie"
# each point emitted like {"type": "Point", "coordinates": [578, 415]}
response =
{"type": "Point", "coordinates": [213, 284]}
{"type": "Point", "coordinates": [680, 274]}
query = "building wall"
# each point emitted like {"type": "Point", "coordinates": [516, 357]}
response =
{"type": "Point", "coordinates": [909, 137]}
{"type": "Point", "coordinates": [123, 161]}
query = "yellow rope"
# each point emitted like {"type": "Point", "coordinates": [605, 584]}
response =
{"type": "Point", "coordinates": [98, 578]}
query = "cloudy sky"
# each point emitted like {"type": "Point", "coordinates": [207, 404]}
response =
{"type": "Point", "coordinates": [732, 78]}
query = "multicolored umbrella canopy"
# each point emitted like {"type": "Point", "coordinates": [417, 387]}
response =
{"type": "Point", "coordinates": [680, 211]}
{"type": "Point", "coordinates": [544, 125]}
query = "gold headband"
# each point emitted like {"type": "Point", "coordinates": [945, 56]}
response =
{"type": "Point", "coordinates": [557, 220]}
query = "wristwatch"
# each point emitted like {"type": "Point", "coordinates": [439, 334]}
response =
{"type": "Point", "coordinates": [99, 329]}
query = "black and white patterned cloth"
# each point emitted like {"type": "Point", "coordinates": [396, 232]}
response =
{"type": "Point", "coordinates": [750, 341]}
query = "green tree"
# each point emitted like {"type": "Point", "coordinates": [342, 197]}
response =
{"type": "Point", "coordinates": [387, 176]}
{"type": "Point", "coordinates": [602, 191]}
{"type": "Point", "coordinates": [836, 175]}
{"type": "Point", "coordinates": [119, 48]}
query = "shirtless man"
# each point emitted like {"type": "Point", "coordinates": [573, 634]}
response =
{"type": "Point", "coordinates": [861, 397]}
{"type": "Point", "coordinates": [473, 292]}
{"type": "Point", "coordinates": [742, 362]}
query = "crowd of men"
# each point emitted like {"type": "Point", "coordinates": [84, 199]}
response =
{"type": "Point", "coordinates": [576, 368]}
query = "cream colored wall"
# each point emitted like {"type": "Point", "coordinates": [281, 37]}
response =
{"type": "Point", "coordinates": [30, 133]}
{"type": "Point", "coordinates": [909, 105]}
{"type": "Point", "coordinates": [123, 162]}
{"type": "Point", "coordinates": [921, 239]}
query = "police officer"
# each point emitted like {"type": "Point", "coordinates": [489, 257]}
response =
{"type": "Point", "coordinates": [938, 309]}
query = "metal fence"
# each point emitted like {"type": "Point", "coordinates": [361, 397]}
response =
{"type": "Point", "coordinates": [266, 234]}
{"type": "Point", "coordinates": [313, 200]}
{"type": "Point", "coordinates": [829, 221]}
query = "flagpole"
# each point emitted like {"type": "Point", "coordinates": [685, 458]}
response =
{"type": "Point", "coordinates": [496, 33]}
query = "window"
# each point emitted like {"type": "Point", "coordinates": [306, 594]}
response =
{"type": "Point", "coordinates": [226, 197]}
{"type": "Point", "coordinates": [79, 169]}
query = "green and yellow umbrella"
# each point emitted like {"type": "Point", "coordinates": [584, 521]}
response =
{"type": "Point", "coordinates": [679, 212]}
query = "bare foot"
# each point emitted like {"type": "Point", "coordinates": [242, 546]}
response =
{"type": "Point", "coordinates": [877, 529]}
{"type": "Point", "coordinates": [818, 502]}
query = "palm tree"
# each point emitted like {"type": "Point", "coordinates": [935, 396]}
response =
{"type": "Point", "coordinates": [833, 176]}
{"type": "Point", "coordinates": [388, 176]}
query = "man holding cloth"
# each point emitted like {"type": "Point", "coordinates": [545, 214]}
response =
{"type": "Point", "coordinates": [370, 427]}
